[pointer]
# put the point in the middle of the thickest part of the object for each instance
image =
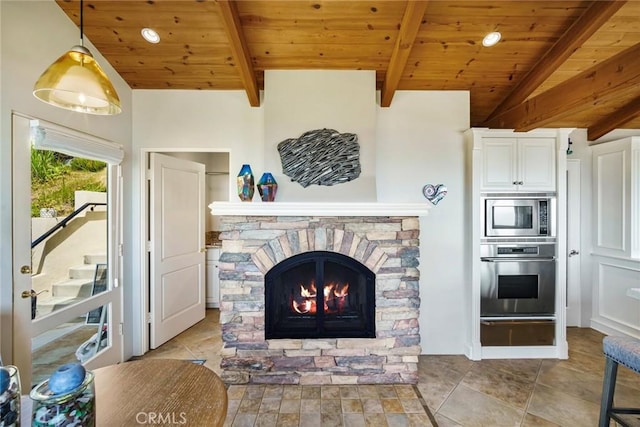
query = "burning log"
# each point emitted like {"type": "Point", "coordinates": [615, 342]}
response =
{"type": "Point", "coordinates": [334, 298]}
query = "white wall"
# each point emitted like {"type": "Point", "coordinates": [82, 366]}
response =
{"type": "Point", "coordinates": [420, 141]}
{"type": "Point", "coordinates": [180, 120]}
{"type": "Point", "coordinates": [615, 255]}
{"type": "Point", "coordinates": [33, 35]}
{"type": "Point", "coordinates": [299, 101]}
{"type": "Point", "coordinates": [596, 305]}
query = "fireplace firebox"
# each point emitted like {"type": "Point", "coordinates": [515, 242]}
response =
{"type": "Point", "coordinates": [320, 294]}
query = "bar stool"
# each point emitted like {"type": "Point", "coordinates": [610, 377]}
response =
{"type": "Point", "coordinates": [618, 351]}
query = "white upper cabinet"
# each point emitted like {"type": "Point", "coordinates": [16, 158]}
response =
{"type": "Point", "coordinates": [518, 164]}
{"type": "Point", "coordinates": [499, 164]}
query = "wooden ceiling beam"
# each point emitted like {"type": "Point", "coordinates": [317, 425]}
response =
{"type": "Point", "coordinates": [240, 50]}
{"type": "Point", "coordinates": [615, 120]}
{"type": "Point", "coordinates": [580, 31]}
{"type": "Point", "coordinates": [409, 27]}
{"type": "Point", "coordinates": [619, 74]}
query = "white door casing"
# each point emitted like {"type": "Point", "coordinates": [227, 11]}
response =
{"type": "Point", "coordinates": [573, 243]}
{"type": "Point", "coordinates": [177, 254]}
{"type": "Point", "coordinates": [24, 329]}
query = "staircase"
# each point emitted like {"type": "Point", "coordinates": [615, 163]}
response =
{"type": "Point", "coordinates": [76, 288]}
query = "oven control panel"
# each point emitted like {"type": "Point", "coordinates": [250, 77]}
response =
{"type": "Point", "coordinates": [520, 250]}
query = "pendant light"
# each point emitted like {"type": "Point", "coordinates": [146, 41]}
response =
{"type": "Point", "coordinates": [76, 82]}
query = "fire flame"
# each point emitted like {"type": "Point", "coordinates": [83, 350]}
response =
{"type": "Point", "coordinates": [334, 298]}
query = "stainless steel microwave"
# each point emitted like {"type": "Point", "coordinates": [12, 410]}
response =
{"type": "Point", "coordinates": [519, 217]}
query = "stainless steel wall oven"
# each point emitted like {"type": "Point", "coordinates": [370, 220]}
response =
{"type": "Point", "coordinates": [517, 279]}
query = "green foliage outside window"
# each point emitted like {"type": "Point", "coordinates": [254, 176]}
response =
{"type": "Point", "coordinates": [56, 177]}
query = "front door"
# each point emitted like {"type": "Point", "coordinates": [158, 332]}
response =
{"type": "Point", "coordinates": [78, 318]}
{"type": "Point", "coordinates": [177, 258]}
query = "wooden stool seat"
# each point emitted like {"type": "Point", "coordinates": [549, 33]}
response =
{"type": "Point", "coordinates": [618, 351]}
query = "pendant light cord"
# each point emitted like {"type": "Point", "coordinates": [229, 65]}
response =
{"type": "Point", "coordinates": [81, 24]}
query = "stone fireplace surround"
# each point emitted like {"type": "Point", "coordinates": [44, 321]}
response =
{"type": "Point", "coordinates": [257, 236]}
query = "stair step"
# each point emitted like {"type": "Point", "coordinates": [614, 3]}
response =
{"type": "Point", "coordinates": [73, 288]}
{"type": "Point", "coordinates": [46, 306]}
{"type": "Point", "coordinates": [85, 271]}
{"type": "Point", "coordinates": [95, 259]}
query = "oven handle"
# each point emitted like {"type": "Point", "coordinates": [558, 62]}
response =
{"type": "Point", "coordinates": [517, 259]}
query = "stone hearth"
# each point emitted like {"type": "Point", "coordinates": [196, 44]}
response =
{"type": "Point", "coordinates": [252, 245]}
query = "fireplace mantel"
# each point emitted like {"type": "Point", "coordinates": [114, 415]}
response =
{"type": "Point", "coordinates": [319, 209]}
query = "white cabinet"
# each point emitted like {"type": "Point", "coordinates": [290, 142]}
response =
{"type": "Point", "coordinates": [213, 280]}
{"type": "Point", "coordinates": [504, 161]}
{"type": "Point", "coordinates": [518, 164]}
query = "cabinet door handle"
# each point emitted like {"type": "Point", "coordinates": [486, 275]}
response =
{"type": "Point", "coordinates": [515, 182]}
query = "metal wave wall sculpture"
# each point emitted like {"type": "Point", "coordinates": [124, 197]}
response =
{"type": "Point", "coordinates": [321, 157]}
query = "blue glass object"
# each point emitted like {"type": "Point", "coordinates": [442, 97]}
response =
{"type": "Point", "coordinates": [10, 396]}
{"type": "Point", "coordinates": [267, 187]}
{"type": "Point", "coordinates": [75, 407]}
{"type": "Point", "coordinates": [246, 184]}
{"type": "Point", "coordinates": [66, 378]}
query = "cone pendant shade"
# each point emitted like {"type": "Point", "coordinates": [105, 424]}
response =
{"type": "Point", "coordinates": [76, 82]}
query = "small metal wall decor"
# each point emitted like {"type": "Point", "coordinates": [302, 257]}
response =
{"type": "Point", "coordinates": [321, 157]}
{"type": "Point", "coordinates": [434, 193]}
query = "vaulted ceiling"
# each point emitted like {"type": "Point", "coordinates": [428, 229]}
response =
{"type": "Point", "coordinates": [558, 64]}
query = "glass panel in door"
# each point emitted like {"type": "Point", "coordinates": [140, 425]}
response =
{"type": "Point", "coordinates": [65, 266]}
{"type": "Point", "coordinates": [69, 225]}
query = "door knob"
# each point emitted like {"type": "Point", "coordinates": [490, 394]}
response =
{"type": "Point", "coordinates": [28, 294]}
{"type": "Point", "coordinates": [25, 269]}
{"type": "Point", "coordinates": [573, 252]}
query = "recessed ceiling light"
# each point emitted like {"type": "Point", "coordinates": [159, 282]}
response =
{"type": "Point", "coordinates": [150, 35]}
{"type": "Point", "coordinates": [491, 39]}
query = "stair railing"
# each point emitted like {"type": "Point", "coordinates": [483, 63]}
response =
{"type": "Point", "coordinates": [64, 222]}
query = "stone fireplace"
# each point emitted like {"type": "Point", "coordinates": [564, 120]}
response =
{"type": "Point", "coordinates": [342, 293]}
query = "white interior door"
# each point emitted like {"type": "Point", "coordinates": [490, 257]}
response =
{"type": "Point", "coordinates": [573, 242]}
{"type": "Point", "coordinates": [177, 269]}
{"type": "Point", "coordinates": [65, 328]}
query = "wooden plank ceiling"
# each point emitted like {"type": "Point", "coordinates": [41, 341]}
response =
{"type": "Point", "coordinates": [559, 63]}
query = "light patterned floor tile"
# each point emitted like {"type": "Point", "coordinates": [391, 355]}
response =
{"type": "Point", "coordinates": [559, 407]}
{"type": "Point", "coordinates": [472, 408]}
{"type": "Point", "coordinates": [457, 391]}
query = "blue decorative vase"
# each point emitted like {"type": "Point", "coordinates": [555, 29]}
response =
{"type": "Point", "coordinates": [9, 396]}
{"type": "Point", "coordinates": [267, 187]}
{"type": "Point", "coordinates": [246, 184]}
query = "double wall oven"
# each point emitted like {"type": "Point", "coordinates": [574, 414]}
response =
{"type": "Point", "coordinates": [518, 270]}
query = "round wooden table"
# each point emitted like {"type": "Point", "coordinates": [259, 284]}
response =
{"type": "Point", "coordinates": [159, 391]}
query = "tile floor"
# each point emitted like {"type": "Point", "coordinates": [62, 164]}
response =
{"type": "Point", "coordinates": [452, 390]}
